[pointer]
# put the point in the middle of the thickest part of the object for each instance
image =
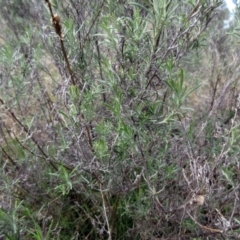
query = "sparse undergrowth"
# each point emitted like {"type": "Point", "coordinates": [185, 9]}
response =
{"type": "Point", "coordinates": [119, 120]}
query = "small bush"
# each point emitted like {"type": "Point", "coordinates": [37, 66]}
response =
{"type": "Point", "coordinates": [119, 120]}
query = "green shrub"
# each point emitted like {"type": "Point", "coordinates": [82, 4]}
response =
{"type": "Point", "coordinates": [102, 135]}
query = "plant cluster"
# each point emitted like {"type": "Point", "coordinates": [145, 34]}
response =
{"type": "Point", "coordinates": [118, 120]}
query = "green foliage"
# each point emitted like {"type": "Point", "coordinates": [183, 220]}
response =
{"type": "Point", "coordinates": [9, 224]}
{"type": "Point", "coordinates": [179, 91]}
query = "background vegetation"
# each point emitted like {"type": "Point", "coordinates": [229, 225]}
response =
{"type": "Point", "coordinates": [119, 120]}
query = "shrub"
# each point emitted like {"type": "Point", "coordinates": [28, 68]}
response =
{"type": "Point", "coordinates": [98, 138]}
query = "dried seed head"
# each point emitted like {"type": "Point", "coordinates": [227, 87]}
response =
{"type": "Point", "coordinates": [57, 25]}
{"type": "Point", "coordinates": [199, 200]}
{"type": "Point", "coordinates": [56, 19]}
